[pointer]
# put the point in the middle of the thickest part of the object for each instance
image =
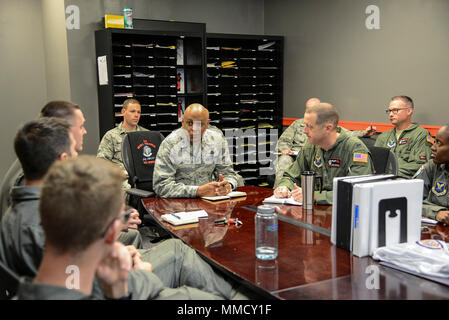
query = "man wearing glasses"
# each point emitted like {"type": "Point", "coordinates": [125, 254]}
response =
{"type": "Point", "coordinates": [410, 142]}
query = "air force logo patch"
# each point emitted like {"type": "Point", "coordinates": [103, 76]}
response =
{"type": "Point", "coordinates": [440, 188]}
{"type": "Point", "coordinates": [318, 161]}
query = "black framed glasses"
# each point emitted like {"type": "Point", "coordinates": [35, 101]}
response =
{"type": "Point", "coordinates": [395, 110]}
{"type": "Point", "coordinates": [124, 217]}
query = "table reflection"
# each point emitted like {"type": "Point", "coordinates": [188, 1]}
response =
{"type": "Point", "coordinates": [205, 230]}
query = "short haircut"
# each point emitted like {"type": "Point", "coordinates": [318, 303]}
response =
{"type": "Point", "coordinates": [60, 109]}
{"type": "Point", "coordinates": [405, 99]}
{"type": "Point", "coordinates": [446, 128]}
{"type": "Point", "coordinates": [127, 102]}
{"type": "Point", "coordinates": [80, 197]}
{"type": "Point", "coordinates": [39, 143]}
{"type": "Point", "coordinates": [325, 113]}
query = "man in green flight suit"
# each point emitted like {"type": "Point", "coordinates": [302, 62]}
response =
{"type": "Point", "coordinates": [293, 140]}
{"type": "Point", "coordinates": [329, 152]}
{"type": "Point", "coordinates": [410, 142]}
{"type": "Point", "coordinates": [435, 174]}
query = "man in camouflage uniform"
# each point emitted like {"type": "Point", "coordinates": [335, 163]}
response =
{"type": "Point", "coordinates": [190, 157]}
{"type": "Point", "coordinates": [435, 174]}
{"type": "Point", "coordinates": [328, 152]}
{"type": "Point", "coordinates": [110, 147]}
{"type": "Point", "coordinates": [410, 142]}
{"type": "Point", "coordinates": [293, 139]}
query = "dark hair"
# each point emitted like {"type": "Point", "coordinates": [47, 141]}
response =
{"type": "Point", "coordinates": [39, 143]}
{"type": "Point", "coordinates": [127, 102]}
{"type": "Point", "coordinates": [79, 199]}
{"type": "Point", "coordinates": [405, 99]}
{"type": "Point", "coordinates": [60, 109]}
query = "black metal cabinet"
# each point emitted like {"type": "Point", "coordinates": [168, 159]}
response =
{"type": "Point", "coordinates": [168, 65]}
{"type": "Point", "coordinates": [159, 63]}
{"type": "Point", "coordinates": [244, 97]}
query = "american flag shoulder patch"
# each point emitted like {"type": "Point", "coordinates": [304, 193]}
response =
{"type": "Point", "coordinates": [430, 139]}
{"type": "Point", "coordinates": [360, 157]}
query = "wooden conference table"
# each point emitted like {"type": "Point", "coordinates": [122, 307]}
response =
{"type": "Point", "coordinates": [308, 266]}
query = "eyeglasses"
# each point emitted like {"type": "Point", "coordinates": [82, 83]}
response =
{"type": "Point", "coordinates": [124, 217]}
{"type": "Point", "coordinates": [394, 111]}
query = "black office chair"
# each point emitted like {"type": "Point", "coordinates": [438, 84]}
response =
{"type": "Point", "coordinates": [139, 150]}
{"type": "Point", "coordinates": [9, 282]}
{"type": "Point", "coordinates": [384, 160]}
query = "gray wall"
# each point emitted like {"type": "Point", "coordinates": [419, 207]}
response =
{"type": "Point", "coordinates": [25, 39]}
{"type": "Point", "coordinates": [329, 53]}
{"type": "Point", "coordinates": [232, 16]}
{"type": "Point", "coordinates": [40, 60]}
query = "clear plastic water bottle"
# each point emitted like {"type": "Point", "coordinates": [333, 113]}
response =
{"type": "Point", "coordinates": [266, 228]}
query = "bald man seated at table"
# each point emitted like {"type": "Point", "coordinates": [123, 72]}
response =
{"type": "Point", "coordinates": [191, 157]}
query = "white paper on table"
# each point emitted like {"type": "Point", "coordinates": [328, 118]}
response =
{"type": "Point", "coordinates": [290, 200]}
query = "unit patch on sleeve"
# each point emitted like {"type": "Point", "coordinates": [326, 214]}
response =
{"type": "Point", "coordinates": [440, 188]}
{"type": "Point", "coordinates": [360, 157]}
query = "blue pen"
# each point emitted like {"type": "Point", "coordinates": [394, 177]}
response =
{"type": "Point", "coordinates": [175, 215]}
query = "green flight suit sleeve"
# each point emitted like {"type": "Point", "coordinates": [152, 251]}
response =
{"type": "Point", "coordinates": [358, 168]}
{"type": "Point", "coordinates": [293, 173]}
{"type": "Point", "coordinates": [430, 210]}
{"type": "Point", "coordinates": [419, 155]}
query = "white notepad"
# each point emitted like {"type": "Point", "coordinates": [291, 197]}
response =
{"type": "Point", "coordinates": [180, 218]}
{"type": "Point", "coordinates": [290, 200]}
{"type": "Point", "coordinates": [233, 194]}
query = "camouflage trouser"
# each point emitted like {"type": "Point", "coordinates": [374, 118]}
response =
{"type": "Point", "coordinates": [179, 266]}
{"type": "Point", "coordinates": [283, 163]}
